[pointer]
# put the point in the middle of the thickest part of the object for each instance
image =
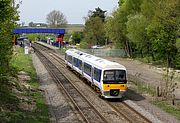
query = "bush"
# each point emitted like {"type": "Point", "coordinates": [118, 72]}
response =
{"type": "Point", "coordinates": [83, 45]}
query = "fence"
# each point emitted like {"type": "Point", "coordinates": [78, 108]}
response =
{"type": "Point", "coordinates": [106, 52]}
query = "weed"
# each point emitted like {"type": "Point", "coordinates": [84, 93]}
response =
{"type": "Point", "coordinates": [168, 108]}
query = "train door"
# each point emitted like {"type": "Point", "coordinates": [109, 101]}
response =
{"type": "Point", "coordinates": [92, 74]}
{"type": "Point", "coordinates": [82, 68]}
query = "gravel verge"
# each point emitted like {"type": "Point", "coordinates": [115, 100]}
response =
{"type": "Point", "coordinates": [59, 108]}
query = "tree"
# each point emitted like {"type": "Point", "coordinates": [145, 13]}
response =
{"type": "Point", "coordinates": [76, 37]}
{"type": "Point", "coordinates": [163, 31]}
{"type": "Point", "coordinates": [117, 30]}
{"type": "Point", "coordinates": [113, 30]}
{"type": "Point", "coordinates": [94, 33]}
{"type": "Point", "coordinates": [98, 13]}
{"type": "Point", "coordinates": [8, 18]}
{"type": "Point", "coordinates": [139, 38]}
{"type": "Point", "coordinates": [56, 19]}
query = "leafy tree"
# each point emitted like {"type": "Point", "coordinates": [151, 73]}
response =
{"type": "Point", "coordinates": [116, 26]}
{"type": "Point", "coordinates": [145, 26]}
{"type": "Point", "coordinates": [56, 19]}
{"type": "Point", "coordinates": [138, 22]}
{"type": "Point", "coordinates": [8, 18]}
{"type": "Point", "coordinates": [67, 36]}
{"type": "Point", "coordinates": [163, 31]}
{"type": "Point", "coordinates": [98, 13]}
{"type": "Point", "coordinates": [77, 37]}
{"type": "Point", "coordinates": [84, 44]}
{"type": "Point", "coordinates": [113, 30]}
{"type": "Point", "coordinates": [94, 32]}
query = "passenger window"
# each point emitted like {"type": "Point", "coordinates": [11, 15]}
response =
{"type": "Point", "coordinates": [87, 68]}
{"type": "Point", "coordinates": [80, 64]}
{"type": "Point", "coordinates": [97, 74]}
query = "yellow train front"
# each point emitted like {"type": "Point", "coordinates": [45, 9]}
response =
{"type": "Point", "coordinates": [114, 83]}
{"type": "Point", "coordinates": [106, 76]}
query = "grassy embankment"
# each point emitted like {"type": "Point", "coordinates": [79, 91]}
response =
{"type": "Point", "coordinates": [26, 103]}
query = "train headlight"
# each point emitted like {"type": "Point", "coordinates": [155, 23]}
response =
{"type": "Point", "coordinates": [114, 92]}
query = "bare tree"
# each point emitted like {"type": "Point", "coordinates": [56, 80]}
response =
{"type": "Point", "coordinates": [56, 19]}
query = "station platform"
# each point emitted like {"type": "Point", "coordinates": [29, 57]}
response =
{"type": "Point", "coordinates": [48, 45]}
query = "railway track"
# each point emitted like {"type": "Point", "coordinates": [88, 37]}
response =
{"type": "Point", "coordinates": [87, 111]}
{"type": "Point", "coordinates": [125, 110]}
{"type": "Point", "coordinates": [130, 114]}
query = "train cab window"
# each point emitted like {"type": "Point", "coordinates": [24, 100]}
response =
{"type": "Point", "coordinates": [109, 75]}
{"type": "Point", "coordinates": [120, 75]}
{"type": "Point", "coordinates": [114, 76]}
{"type": "Point", "coordinates": [97, 74]}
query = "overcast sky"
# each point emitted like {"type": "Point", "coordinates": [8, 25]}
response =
{"type": "Point", "coordinates": [74, 10]}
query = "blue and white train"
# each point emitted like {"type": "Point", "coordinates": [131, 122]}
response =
{"type": "Point", "coordinates": [109, 78]}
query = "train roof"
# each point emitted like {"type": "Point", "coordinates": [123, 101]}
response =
{"type": "Point", "coordinates": [101, 63]}
{"type": "Point", "coordinates": [94, 60]}
{"type": "Point", "coordinates": [74, 52]}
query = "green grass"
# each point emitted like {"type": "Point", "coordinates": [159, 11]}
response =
{"type": "Point", "coordinates": [62, 50]}
{"type": "Point", "coordinates": [22, 62]}
{"type": "Point", "coordinates": [40, 115]}
{"type": "Point", "coordinates": [7, 99]}
{"type": "Point", "coordinates": [142, 89]}
{"type": "Point", "coordinates": [169, 108]}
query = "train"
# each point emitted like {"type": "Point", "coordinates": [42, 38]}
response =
{"type": "Point", "coordinates": [107, 77]}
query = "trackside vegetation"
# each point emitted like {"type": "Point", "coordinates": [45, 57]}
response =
{"type": "Point", "coordinates": [8, 101]}
{"type": "Point", "coordinates": [19, 102]}
{"type": "Point", "coordinates": [147, 29]}
{"type": "Point", "coordinates": [150, 94]}
{"type": "Point", "coordinates": [8, 18]}
{"type": "Point", "coordinates": [22, 100]}
{"type": "Point", "coordinates": [168, 108]}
